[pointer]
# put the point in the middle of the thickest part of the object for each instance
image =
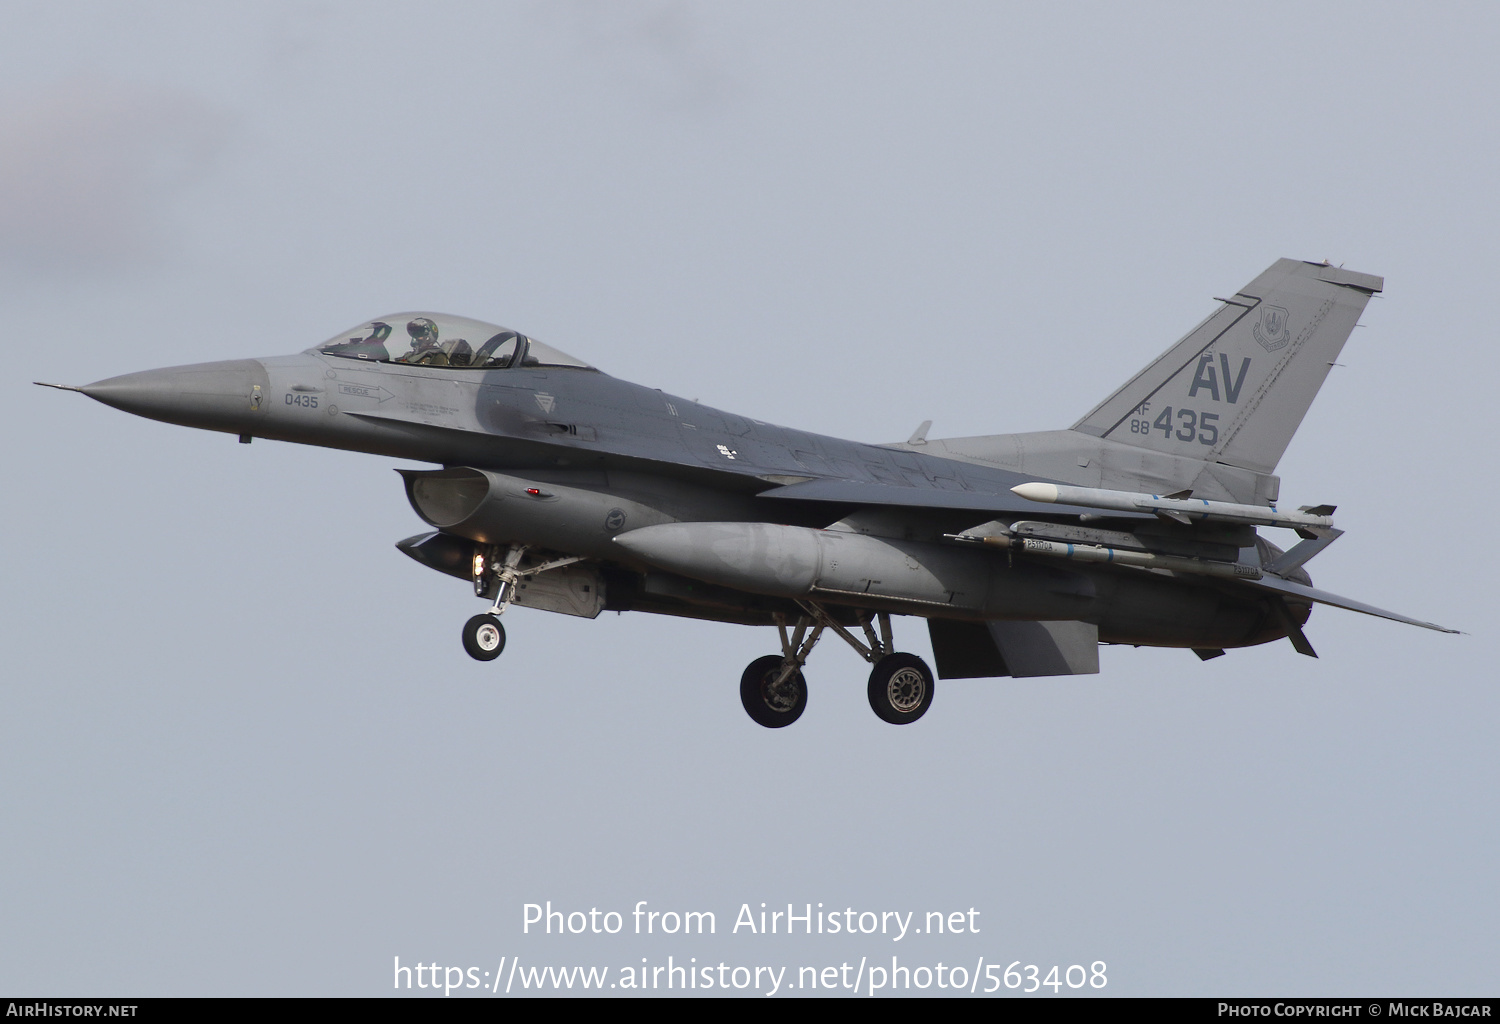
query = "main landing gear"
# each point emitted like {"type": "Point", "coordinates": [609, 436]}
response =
{"type": "Point", "coordinates": [774, 692]}
{"type": "Point", "coordinates": [900, 688]}
{"type": "Point", "coordinates": [484, 636]}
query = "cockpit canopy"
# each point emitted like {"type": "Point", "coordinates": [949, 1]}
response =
{"type": "Point", "coordinates": [435, 339]}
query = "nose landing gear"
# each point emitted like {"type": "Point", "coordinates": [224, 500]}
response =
{"type": "Point", "coordinates": [484, 636]}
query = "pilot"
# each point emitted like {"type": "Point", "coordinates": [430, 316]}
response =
{"type": "Point", "coordinates": [424, 343]}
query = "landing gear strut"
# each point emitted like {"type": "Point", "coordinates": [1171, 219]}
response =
{"type": "Point", "coordinates": [772, 688]}
{"type": "Point", "coordinates": [484, 637]}
{"type": "Point", "coordinates": [774, 692]}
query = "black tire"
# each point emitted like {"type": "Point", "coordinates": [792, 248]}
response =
{"type": "Point", "coordinates": [901, 688]}
{"type": "Point", "coordinates": [481, 641]}
{"type": "Point", "coordinates": [772, 707]}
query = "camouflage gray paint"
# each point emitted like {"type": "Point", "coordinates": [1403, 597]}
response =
{"type": "Point", "coordinates": [567, 489]}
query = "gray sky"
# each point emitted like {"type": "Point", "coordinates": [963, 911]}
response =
{"type": "Point", "coordinates": [241, 749]}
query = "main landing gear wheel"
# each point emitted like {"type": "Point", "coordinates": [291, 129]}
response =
{"type": "Point", "coordinates": [770, 703]}
{"type": "Point", "coordinates": [901, 688]}
{"type": "Point", "coordinates": [484, 637]}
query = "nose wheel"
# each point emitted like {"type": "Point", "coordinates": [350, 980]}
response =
{"type": "Point", "coordinates": [484, 637]}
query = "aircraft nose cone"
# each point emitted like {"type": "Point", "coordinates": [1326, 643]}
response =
{"type": "Point", "coordinates": [215, 396]}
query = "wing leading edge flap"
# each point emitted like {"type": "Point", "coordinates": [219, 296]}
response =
{"type": "Point", "coordinates": [1297, 590]}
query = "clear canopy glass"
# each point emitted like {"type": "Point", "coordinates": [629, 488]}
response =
{"type": "Point", "coordinates": [436, 339]}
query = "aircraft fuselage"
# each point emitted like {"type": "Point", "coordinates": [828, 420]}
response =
{"type": "Point", "coordinates": [686, 462]}
{"type": "Point", "coordinates": [563, 488]}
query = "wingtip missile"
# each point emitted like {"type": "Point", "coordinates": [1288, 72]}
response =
{"type": "Point", "coordinates": [1170, 506]}
{"type": "Point", "coordinates": [1047, 493]}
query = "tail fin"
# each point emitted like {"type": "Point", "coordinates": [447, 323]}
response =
{"type": "Point", "coordinates": [1236, 388]}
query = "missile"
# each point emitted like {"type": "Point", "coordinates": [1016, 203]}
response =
{"type": "Point", "coordinates": [1183, 510]}
{"type": "Point", "coordinates": [1118, 556]}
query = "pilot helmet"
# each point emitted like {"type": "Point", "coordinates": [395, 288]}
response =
{"type": "Point", "coordinates": [423, 331]}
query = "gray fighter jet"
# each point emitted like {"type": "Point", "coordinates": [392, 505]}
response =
{"type": "Point", "coordinates": [566, 489]}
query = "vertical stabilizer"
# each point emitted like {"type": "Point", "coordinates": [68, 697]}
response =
{"type": "Point", "coordinates": [1236, 388]}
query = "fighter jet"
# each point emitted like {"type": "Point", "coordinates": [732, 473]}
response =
{"type": "Point", "coordinates": [563, 488]}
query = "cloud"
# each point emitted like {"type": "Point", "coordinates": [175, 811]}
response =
{"type": "Point", "coordinates": [92, 170]}
{"type": "Point", "coordinates": [660, 49]}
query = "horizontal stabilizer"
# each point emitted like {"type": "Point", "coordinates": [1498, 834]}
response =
{"type": "Point", "coordinates": [1297, 590]}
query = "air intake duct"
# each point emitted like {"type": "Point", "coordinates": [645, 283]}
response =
{"type": "Point", "coordinates": [495, 508]}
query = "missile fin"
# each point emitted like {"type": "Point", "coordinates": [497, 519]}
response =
{"type": "Point", "coordinates": [1304, 551]}
{"type": "Point", "coordinates": [1293, 631]}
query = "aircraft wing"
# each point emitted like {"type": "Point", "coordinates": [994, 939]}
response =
{"type": "Point", "coordinates": [857, 492]}
{"type": "Point", "coordinates": [1297, 590]}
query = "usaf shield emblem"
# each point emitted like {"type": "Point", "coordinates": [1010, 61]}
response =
{"type": "Point", "coordinates": [1271, 330]}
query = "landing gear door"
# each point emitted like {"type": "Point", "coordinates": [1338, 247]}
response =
{"type": "Point", "coordinates": [570, 590]}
